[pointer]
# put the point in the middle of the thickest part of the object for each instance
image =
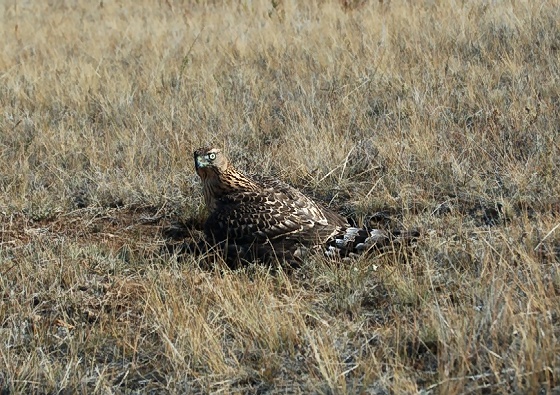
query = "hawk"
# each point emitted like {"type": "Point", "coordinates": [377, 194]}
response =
{"type": "Point", "coordinates": [254, 217]}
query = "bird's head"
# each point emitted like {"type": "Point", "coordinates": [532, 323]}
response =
{"type": "Point", "coordinates": [209, 159]}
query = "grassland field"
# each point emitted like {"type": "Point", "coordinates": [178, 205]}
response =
{"type": "Point", "coordinates": [440, 115]}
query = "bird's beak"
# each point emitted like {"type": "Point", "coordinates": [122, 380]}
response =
{"type": "Point", "coordinates": [200, 161]}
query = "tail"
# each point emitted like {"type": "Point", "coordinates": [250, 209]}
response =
{"type": "Point", "coordinates": [357, 241]}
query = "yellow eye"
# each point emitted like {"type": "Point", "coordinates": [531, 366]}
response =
{"type": "Point", "coordinates": [211, 156]}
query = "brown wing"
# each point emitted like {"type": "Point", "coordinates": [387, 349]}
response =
{"type": "Point", "coordinates": [317, 209]}
{"type": "Point", "coordinates": [277, 212]}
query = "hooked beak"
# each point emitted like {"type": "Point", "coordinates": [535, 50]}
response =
{"type": "Point", "coordinates": [200, 161]}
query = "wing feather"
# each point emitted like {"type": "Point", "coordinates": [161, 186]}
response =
{"type": "Point", "coordinates": [276, 211]}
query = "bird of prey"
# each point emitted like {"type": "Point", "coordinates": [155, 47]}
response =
{"type": "Point", "coordinates": [255, 217]}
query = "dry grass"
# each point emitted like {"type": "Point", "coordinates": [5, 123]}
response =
{"type": "Point", "coordinates": [445, 114]}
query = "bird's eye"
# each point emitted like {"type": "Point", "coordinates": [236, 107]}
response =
{"type": "Point", "coordinates": [211, 156]}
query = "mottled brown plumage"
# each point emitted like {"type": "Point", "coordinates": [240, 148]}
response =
{"type": "Point", "coordinates": [255, 217]}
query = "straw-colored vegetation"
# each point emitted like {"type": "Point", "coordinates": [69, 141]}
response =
{"type": "Point", "coordinates": [444, 114]}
